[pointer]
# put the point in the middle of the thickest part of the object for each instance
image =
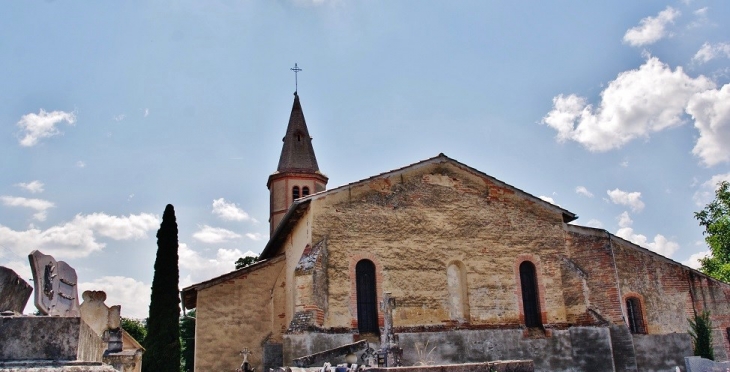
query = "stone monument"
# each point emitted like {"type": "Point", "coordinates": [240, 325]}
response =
{"type": "Point", "coordinates": [14, 292]}
{"type": "Point", "coordinates": [63, 338]}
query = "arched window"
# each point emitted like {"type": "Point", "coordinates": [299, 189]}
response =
{"type": "Point", "coordinates": [530, 297]}
{"type": "Point", "coordinates": [305, 191]}
{"type": "Point", "coordinates": [367, 300]}
{"type": "Point", "coordinates": [458, 295]}
{"type": "Point", "coordinates": [295, 192]}
{"type": "Point", "coordinates": [635, 315]}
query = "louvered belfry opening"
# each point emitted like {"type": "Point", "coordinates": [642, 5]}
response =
{"type": "Point", "coordinates": [530, 298]}
{"type": "Point", "coordinates": [367, 300]}
{"type": "Point", "coordinates": [636, 318]}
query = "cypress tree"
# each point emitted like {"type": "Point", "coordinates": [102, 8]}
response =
{"type": "Point", "coordinates": [163, 328]}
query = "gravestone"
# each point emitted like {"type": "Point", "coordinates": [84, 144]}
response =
{"type": "Point", "coordinates": [55, 283]}
{"type": "Point", "coordinates": [14, 291]}
{"type": "Point", "coordinates": [60, 340]}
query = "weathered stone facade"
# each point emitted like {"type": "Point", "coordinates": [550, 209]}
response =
{"type": "Point", "coordinates": [448, 242]}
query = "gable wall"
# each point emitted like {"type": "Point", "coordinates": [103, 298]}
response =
{"type": "Point", "coordinates": [413, 224]}
{"type": "Point", "coordinates": [243, 312]}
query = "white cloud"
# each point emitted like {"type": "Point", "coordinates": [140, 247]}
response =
{"type": "Point", "coordinates": [660, 244]}
{"type": "Point", "coordinates": [254, 236]}
{"type": "Point", "coordinates": [119, 117]}
{"type": "Point", "coordinates": [651, 29]}
{"type": "Point", "coordinates": [709, 52]}
{"type": "Point", "coordinates": [146, 112]}
{"type": "Point", "coordinates": [581, 190]}
{"type": "Point", "coordinates": [42, 125]}
{"type": "Point", "coordinates": [22, 268]}
{"type": "Point", "coordinates": [711, 113]}
{"type": "Point", "coordinates": [694, 260]}
{"type": "Point", "coordinates": [39, 205]}
{"type": "Point", "coordinates": [230, 211]}
{"type": "Point", "coordinates": [80, 164]}
{"type": "Point", "coordinates": [133, 295]}
{"type": "Point", "coordinates": [78, 238]}
{"type": "Point", "coordinates": [707, 190]}
{"type": "Point", "coordinates": [213, 235]}
{"type": "Point", "coordinates": [33, 186]}
{"type": "Point", "coordinates": [548, 199]}
{"type": "Point", "coordinates": [635, 104]}
{"type": "Point", "coordinates": [624, 164]}
{"type": "Point", "coordinates": [203, 268]}
{"type": "Point", "coordinates": [595, 223]}
{"type": "Point", "coordinates": [630, 199]}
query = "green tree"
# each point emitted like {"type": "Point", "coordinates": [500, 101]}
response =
{"type": "Point", "coordinates": [715, 218]}
{"type": "Point", "coordinates": [245, 261]}
{"type": "Point", "coordinates": [135, 327]}
{"type": "Point", "coordinates": [187, 340]}
{"type": "Point", "coordinates": [163, 327]}
{"type": "Point", "coordinates": [701, 333]}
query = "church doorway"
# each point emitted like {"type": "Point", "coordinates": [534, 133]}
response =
{"type": "Point", "coordinates": [530, 298]}
{"type": "Point", "coordinates": [367, 300]}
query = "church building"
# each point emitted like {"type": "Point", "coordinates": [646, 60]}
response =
{"type": "Point", "coordinates": [479, 269]}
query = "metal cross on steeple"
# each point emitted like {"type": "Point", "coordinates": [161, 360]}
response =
{"type": "Point", "coordinates": [296, 83]}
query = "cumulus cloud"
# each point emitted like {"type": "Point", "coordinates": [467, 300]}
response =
{"type": "Point", "coordinates": [711, 113]}
{"type": "Point", "coordinates": [694, 260]}
{"type": "Point", "coordinates": [146, 112]}
{"type": "Point", "coordinates": [254, 236]}
{"type": "Point", "coordinates": [42, 125]}
{"type": "Point", "coordinates": [119, 117]}
{"type": "Point", "coordinates": [660, 244]}
{"type": "Point", "coordinates": [133, 295]}
{"type": "Point", "coordinates": [78, 238]}
{"type": "Point", "coordinates": [629, 199]}
{"type": "Point", "coordinates": [635, 104]}
{"type": "Point", "coordinates": [39, 205]}
{"type": "Point", "coordinates": [203, 268]}
{"type": "Point", "coordinates": [595, 223]}
{"type": "Point", "coordinates": [581, 190]}
{"type": "Point", "coordinates": [230, 211]}
{"type": "Point", "coordinates": [33, 186]}
{"type": "Point", "coordinates": [548, 199]}
{"type": "Point", "coordinates": [651, 29]}
{"type": "Point", "coordinates": [214, 235]}
{"type": "Point", "coordinates": [80, 164]}
{"type": "Point", "coordinates": [710, 51]}
{"type": "Point", "coordinates": [706, 192]}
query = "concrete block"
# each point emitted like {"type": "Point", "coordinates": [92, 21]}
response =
{"type": "Point", "coordinates": [48, 338]}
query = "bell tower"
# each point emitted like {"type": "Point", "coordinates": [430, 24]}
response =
{"type": "Point", "coordinates": [298, 174]}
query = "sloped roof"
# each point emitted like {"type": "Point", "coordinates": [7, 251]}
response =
{"type": "Point", "coordinates": [297, 208]}
{"type": "Point", "coordinates": [297, 153]}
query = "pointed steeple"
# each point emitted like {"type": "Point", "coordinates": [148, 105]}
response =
{"type": "Point", "coordinates": [298, 174]}
{"type": "Point", "coordinates": [297, 153]}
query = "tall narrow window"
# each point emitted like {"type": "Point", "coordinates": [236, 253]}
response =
{"type": "Point", "coordinates": [367, 307]}
{"type": "Point", "coordinates": [635, 315]}
{"type": "Point", "coordinates": [458, 296]}
{"type": "Point", "coordinates": [530, 297]}
{"type": "Point", "coordinates": [295, 192]}
{"type": "Point", "coordinates": [305, 191]}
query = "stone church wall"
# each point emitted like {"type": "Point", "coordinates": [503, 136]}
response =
{"type": "Point", "coordinates": [245, 312]}
{"type": "Point", "coordinates": [414, 224]}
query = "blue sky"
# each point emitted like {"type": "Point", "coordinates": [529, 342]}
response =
{"type": "Point", "coordinates": [617, 111]}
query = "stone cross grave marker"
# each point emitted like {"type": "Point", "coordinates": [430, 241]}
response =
{"type": "Point", "coordinates": [54, 283]}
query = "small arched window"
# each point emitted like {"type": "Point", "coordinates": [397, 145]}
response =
{"type": "Point", "coordinates": [530, 296]}
{"type": "Point", "coordinates": [635, 315]}
{"type": "Point", "coordinates": [305, 191]}
{"type": "Point", "coordinates": [295, 192]}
